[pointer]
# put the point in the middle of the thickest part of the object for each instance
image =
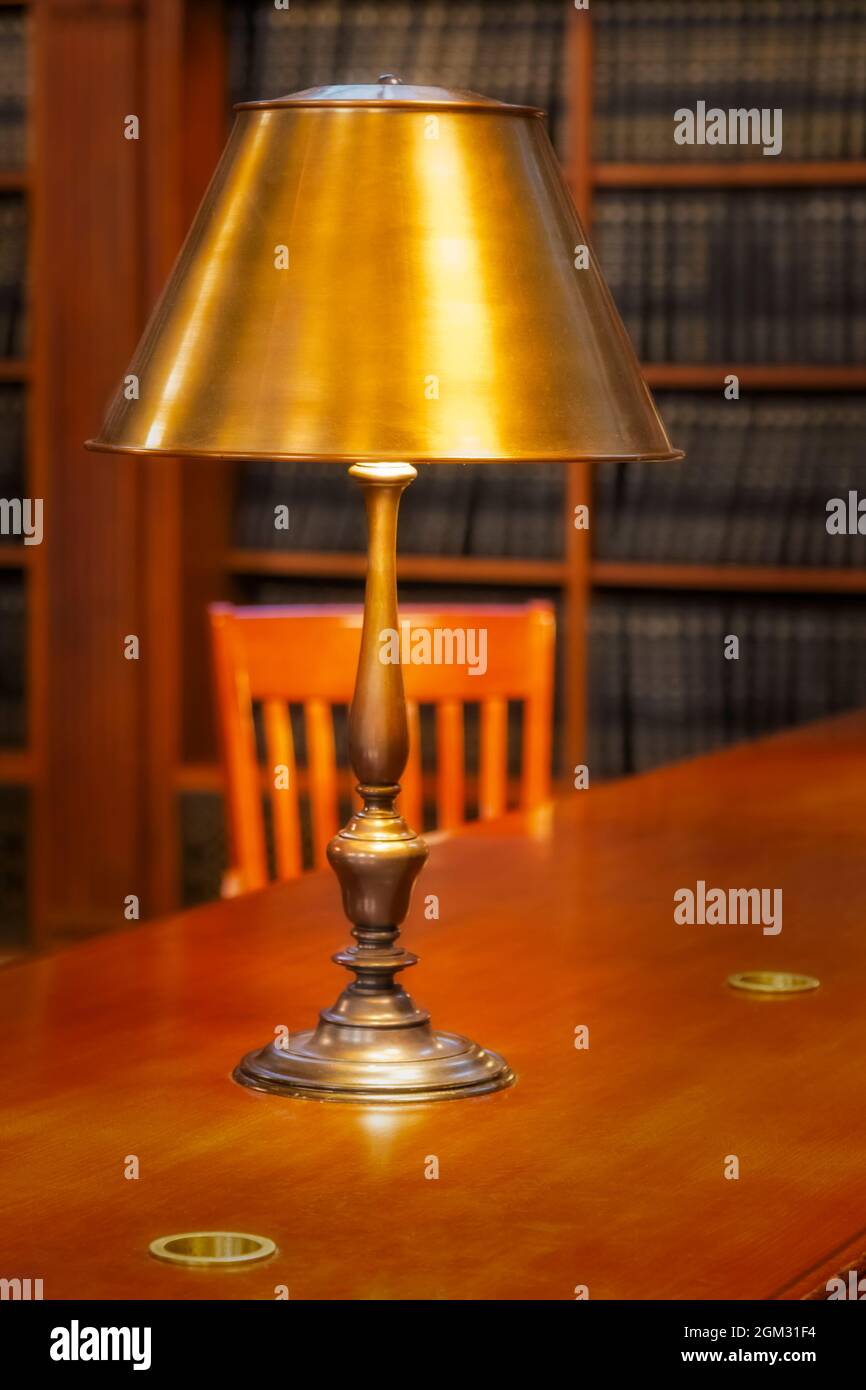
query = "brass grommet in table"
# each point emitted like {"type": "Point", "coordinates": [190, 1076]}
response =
{"type": "Point", "coordinates": [772, 982]}
{"type": "Point", "coordinates": [212, 1249]}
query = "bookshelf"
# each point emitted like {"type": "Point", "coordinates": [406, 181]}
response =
{"type": "Point", "coordinates": [641, 578]}
{"type": "Point", "coordinates": [586, 175]}
{"type": "Point", "coordinates": [579, 575]}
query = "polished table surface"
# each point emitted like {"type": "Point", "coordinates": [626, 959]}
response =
{"type": "Point", "coordinates": [602, 1167]}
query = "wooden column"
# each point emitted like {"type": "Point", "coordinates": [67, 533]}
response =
{"type": "Point", "coordinates": [89, 185]}
{"type": "Point", "coordinates": [578, 544]}
{"type": "Point", "coordinates": [111, 216]}
{"type": "Point", "coordinates": [185, 506]}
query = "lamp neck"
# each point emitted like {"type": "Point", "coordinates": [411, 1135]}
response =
{"type": "Point", "coordinates": [378, 732]}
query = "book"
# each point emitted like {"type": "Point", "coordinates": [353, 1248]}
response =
{"type": "Point", "coordinates": [654, 57]}
{"type": "Point", "coordinates": [753, 489]}
{"type": "Point", "coordinates": [741, 275]}
{"type": "Point", "coordinates": [662, 688]}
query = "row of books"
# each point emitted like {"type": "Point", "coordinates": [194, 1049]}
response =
{"type": "Point", "coordinates": [510, 49]}
{"type": "Point", "coordinates": [759, 475]}
{"type": "Point", "coordinates": [753, 275]}
{"type": "Point", "coordinates": [662, 689]}
{"type": "Point", "coordinates": [456, 509]}
{"type": "Point", "coordinates": [753, 489]}
{"type": "Point", "coordinates": [13, 866]}
{"type": "Point", "coordinates": [13, 88]}
{"type": "Point", "coordinates": [13, 275]}
{"type": "Point", "coordinates": [12, 660]}
{"type": "Point", "coordinates": [652, 57]}
{"type": "Point", "coordinates": [12, 457]}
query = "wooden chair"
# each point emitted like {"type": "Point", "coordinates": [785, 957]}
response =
{"type": "Point", "coordinates": [307, 656]}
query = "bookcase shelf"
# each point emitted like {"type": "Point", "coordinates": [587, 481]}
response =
{"type": "Point", "coordinates": [759, 376]}
{"type": "Point", "coordinates": [451, 569]}
{"type": "Point", "coordinates": [17, 557]}
{"type": "Point", "coordinates": [628, 574]}
{"type": "Point", "coordinates": [16, 766]}
{"type": "Point", "coordinates": [14, 369]}
{"type": "Point", "coordinates": [753, 173]}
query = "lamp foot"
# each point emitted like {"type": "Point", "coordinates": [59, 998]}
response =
{"type": "Point", "coordinates": [462, 1068]}
{"type": "Point", "coordinates": [398, 1058]}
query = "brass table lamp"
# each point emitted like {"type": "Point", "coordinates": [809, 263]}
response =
{"type": "Point", "coordinates": [384, 275]}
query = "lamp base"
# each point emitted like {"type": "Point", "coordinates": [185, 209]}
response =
{"type": "Point", "coordinates": [394, 1056]}
{"type": "Point", "coordinates": [375, 1045]}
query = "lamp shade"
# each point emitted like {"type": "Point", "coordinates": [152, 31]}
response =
{"type": "Point", "coordinates": [386, 272]}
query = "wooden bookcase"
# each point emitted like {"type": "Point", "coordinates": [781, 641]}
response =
{"type": "Point", "coordinates": [586, 175]}
{"type": "Point", "coordinates": [578, 574]}
{"type": "Point", "coordinates": [140, 546]}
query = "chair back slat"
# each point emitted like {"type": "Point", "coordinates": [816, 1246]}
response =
{"type": "Point", "coordinates": [411, 800]}
{"type": "Point", "coordinates": [283, 788]}
{"type": "Point", "coordinates": [450, 770]}
{"type": "Point", "coordinates": [493, 771]}
{"type": "Point", "coordinates": [538, 716]}
{"type": "Point", "coordinates": [322, 770]}
{"type": "Point", "coordinates": [246, 831]}
{"type": "Point", "coordinates": [307, 657]}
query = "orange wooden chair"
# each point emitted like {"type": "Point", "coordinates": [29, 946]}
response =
{"type": "Point", "coordinates": [279, 657]}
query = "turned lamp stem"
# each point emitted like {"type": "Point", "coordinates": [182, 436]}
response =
{"type": "Point", "coordinates": [378, 732]}
{"type": "Point", "coordinates": [377, 857]}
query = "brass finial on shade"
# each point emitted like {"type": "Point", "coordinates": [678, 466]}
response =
{"type": "Point", "coordinates": [386, 272]}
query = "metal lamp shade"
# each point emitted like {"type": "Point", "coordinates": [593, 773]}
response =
{"type": "Point", "coordinates": [386, 273]}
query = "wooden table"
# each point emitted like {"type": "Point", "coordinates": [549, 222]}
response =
{"type": "Point", "coordinates": [601, 1167]}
